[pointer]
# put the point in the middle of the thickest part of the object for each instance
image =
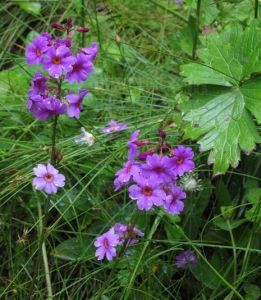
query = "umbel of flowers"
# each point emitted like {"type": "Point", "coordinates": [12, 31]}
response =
{"type": "Point", "coordinates": [46, 98]}
{"type": "Point", "coordinates": [153, 172]}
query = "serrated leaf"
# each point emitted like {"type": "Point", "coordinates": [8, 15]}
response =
{"type": "Point", "coordinates": [223, 123]}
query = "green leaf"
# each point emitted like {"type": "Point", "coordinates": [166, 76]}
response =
{"type": "Point", "coordinates": [203, 273]}
{"type": "Point", "coordinates": [252, 291]}
{"type": "Point", "coordinates": [222, 122]}
{"type": "Point", "coordinates": [227, 225]}
{"type": "Point", "coordinates": [254, 197]}
{"type": "Point", "coordinates": [75, 249]}
{"type": "Point", "coordinates": [33, 8]}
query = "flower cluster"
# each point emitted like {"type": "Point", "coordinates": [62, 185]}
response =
{"type": "Point", "coordinates": [118, 235]}
{"type": "Point", "coordinates": [45, 97]}
{"type": "Point", "coordinates": [57, 59]}
{"type": "Point", "coordinates": [154, 173]}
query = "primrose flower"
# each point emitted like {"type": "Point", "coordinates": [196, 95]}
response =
{"type": "Point", "coordinates": [85, 138]}
{"type": "Point", "coordinates": [147, 192]}
{"type": "Point", "coordinates": [34, 51]}
{"type": "Point", "coordinates": [81, 69]}
{"type": "Point", "coordinates": [58, 60]}
{"type": "Point", "coordinates": [106, 245]}
{"type": "Point", "coordinates": [126, 232]}
{"type": "Point", "coordinates": [185, 259]}
{"type": "Point", "coordinates": [91, 51]}
{"type": "Point", "coordinates": [159, 167]}
{"type": "Point", "coordinates": [182, 160]}
{"type": "Point", "coordinates": [47, 178]}
{"type": "Point", "coordinates": [124, 175]}
{"type": "Point", "coordinates": [173, 203]}
{"type": "Point", "coordinates": [114, 126]}
{"type": "Point", "coordinates": [75, 103]}
{"type": "Point", "coordinates": [39, 85]}
{"type": "Point", "coordinates": [44, 107]}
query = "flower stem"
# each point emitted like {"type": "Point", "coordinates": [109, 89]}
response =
{"type": "Point", "coordinates": [44, 253]}
{"type": "Point", "coordinates": [256, 9]}
{"type": "Point", "coordinates": [43, 220]}
{"type": "Point", "coordinates": [195, 41]}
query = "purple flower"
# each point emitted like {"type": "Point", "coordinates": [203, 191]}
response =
{"type": "Point", "coordinates": [179, 2]}
{"type": "Point", "coordinates": [182, 160]}
{"type": "Point", "coordinates": [58, 60]}
{"type": "Point", "coordinates": [91, 51]}
{"type": "Point", "coordinates": [35, 50]}
{"type": "Point", "coordinates": [47, 178]}
{"type": "Point", "coordinates": [113, 126]}
{"type": "Point", "coordinates": [126, 232]}
{"type": "Point", "coordinates": [81, 68]}
{"type": "Point", "coordinates": [44, 107]}
{"type": "Point", "coordinates": [47, 36]}
{"type": "Point", "coordinates": [106, 245]}
{"type": "Point", "coordinates": [133, 147]}
{"type": "Point", "coordinates": [62, 42]}
{"type": "Point", "coordinates": [75, 103]}
{"type": "Point", "coordinates": [185, 259]}
{"type": "Point", "coordinates": [147, 192]}
{"type": "Point", "coordinates": [124, 175]}
{"type": "Point", "coordinates": [173, 203]}
{"type": "Point", "coordinates": [39, 85]}
{"type": "Point", "coordinates": [158, 166]}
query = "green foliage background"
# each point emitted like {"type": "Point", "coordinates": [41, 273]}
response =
{"type": "Point", "coordinates": [159, 64]}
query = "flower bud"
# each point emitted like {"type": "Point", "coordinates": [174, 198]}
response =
{"type": "Point", "coordinates": [57, 26]}
{"type": "Point", "coordinates": [82, 29]}
{"type": "Point", "coordinates": [161, 133]}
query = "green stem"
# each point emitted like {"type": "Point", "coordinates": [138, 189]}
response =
{"type": "Point", "coordinates": [256, 9]}
{"type": "Point", "coordinates": [174, 13]}
{"type": "Point", "coordinates": [154, 227]}
{"type": "Point", "coordinates": [234, 250]}
{"type": "Point", "coordinates": [195, 42]}
{"type": "Point", "coordinates": [44, 253]}
{"type": "Point", "coordinates": [43, 220]}
{"type": "Point", "coordinates": [121, 253]}
{"type": "Point", "coordinates": [82, 21]}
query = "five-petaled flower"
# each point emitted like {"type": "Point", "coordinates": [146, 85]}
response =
{"type": "Point", "coordinates": [106, 245]}
{"type": "Point", "coordinates": [34, 51]}
{"type": "Point", "coordinates": [58, 60]}
{"type": "Point", "coordinates": [47, 178]}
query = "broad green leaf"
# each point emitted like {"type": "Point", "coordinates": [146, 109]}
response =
{"type": "Point", "coordinates": [223, 122]}
{"type": "Point", "coordinates": [80, 248]}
